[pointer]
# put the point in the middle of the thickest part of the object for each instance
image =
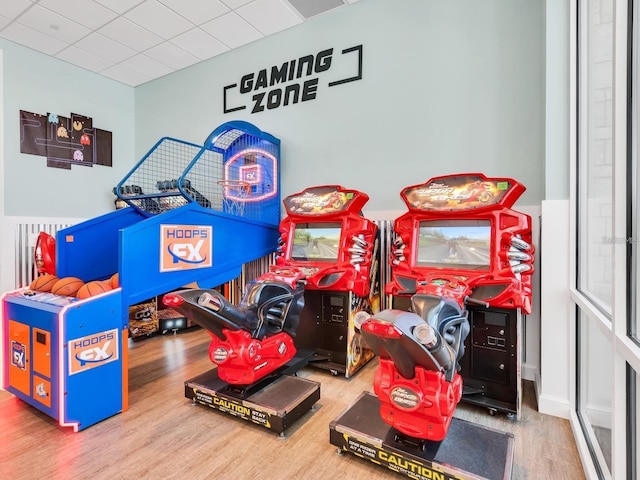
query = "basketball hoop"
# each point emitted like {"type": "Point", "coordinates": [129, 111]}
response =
{"type": "Point", "coordinates": [234, 193]}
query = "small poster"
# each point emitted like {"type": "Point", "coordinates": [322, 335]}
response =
{"type": "Point", "coordinates": [65, 141]}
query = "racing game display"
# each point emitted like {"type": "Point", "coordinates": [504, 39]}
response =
{"type": "Point", "coordinates": [318, 242]}
{"type": "Point", "coordinates": [464, 244]}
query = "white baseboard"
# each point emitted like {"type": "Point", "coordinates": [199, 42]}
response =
{"type": "Point", "coordinates": [556, 406]}
{"type": "Point", "coordinates": [529, 372]}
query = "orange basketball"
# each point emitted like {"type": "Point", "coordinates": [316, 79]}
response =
{"type": "Point", "coordinates": [43, 283]}
{"type": "Point", "coordinates": [115, 280]}
{"type": "Point", "coordinates": [90, 289]}
{"type": "Point", "coordinates": [68, 286]}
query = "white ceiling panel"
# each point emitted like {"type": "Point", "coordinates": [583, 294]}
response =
{"type": "Point", "coordinates": [135, 41]}
{"type": "Point", "coordinates": [269, 16]}
{"type": "Point", "coordinates": [4, 21]}
{"type": "Point", "coordinates": [105, 47]}
{"type": "Point", "coordinates": [233, 4]}
{"type": "Point", "coordinates": [120, 6]}
{"type": "Point", "coordinates": [232, 30]}
{"type": "Point", "coordinates": [13, 8]}
{"type": "Point", "coordinates": [52, 24]}
{"type": "Point", "coordinates": [200, 44]}
{"type": "Point", "coordinates": [16, 32]}
{"type": "Point", "coordinates": [125, 75]}
{"type": "Point", "coordinates": [130, 34]}
{"type": "Point", "coordinates": [171, 55]}
{"type": "Point", "coordinates": [159, 19]}
{"type": "Point", "coordinates": [146, 66]}
{"type": "Point", "coordinates": [86, 12]}
{"type": "Point", "coordinates": [84, 59]}
{"type": "Point", "coordinates": [197, 11]}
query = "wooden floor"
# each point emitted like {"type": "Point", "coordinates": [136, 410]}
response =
{"type": "Point", "coordinates": [164, 436]}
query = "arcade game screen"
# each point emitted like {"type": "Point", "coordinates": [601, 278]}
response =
{"type": "Point", "coordinates": [456, 244]}
{"type": "Point", "coordinates": [316, 241]}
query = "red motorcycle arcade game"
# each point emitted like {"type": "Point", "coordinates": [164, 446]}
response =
{"type": "Point", "coordinates": [327, 240]}
{"type": "Point", "coordinates": [252, 348]}
{"type": "Point", "coordinates": [461, 264]}
{"type": "Point", "coordinates": [461, 228]}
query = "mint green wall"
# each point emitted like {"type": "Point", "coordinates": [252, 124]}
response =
{"type": "Point", "coordinates": [448, 87]}
{"type": "Point", "coordinates": [557, 101]}
{"type": "Point", "coordinates": [40, 84]}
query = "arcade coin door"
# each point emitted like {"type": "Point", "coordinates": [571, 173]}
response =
{"type": "Point", "coordinates": [325, 237]}
{"type": "Point", "coordinates": [460, 230]}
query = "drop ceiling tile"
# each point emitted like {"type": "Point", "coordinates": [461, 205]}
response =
{"type": "Point", "coordinates": [124, 75]}
{"type": "Point", "coordinates": [233, 4]}
{"type": "Point", "coordinates": [159, 19]}
{"type": "Point", "coordinates": [200, 44]}
{"type": "Point", "coordinates": [13, 8]}
{"type": "Point", "coordinates": [52, 24]}
{"type": "Point", "coordinates": [269, 16]}
{"type": "Point", "coordinates": [4, 21]}
{"type": "Point", "coordinates": [84, 59]}
{"type": "Point", "coordinates": [231, 30]}
{"type": "Point", "coordinates": [105, 47]}
{"type": "Point", "coordinates": [31, 38]}
{"type": "Point", "coordinates": [197, 11]}
{"type": "Point", "coordinates": [146, 66]}
{"type": "Point", "coordinates": [311, 8]}
{"type": "Point", "coordinates": [130, 34]}
{"type": "Point", "coordinates": [171, 55]}
{"type": "Point", "coordinates": [85, 12]}
{"type": "Point", "coordinates": [120, 6]}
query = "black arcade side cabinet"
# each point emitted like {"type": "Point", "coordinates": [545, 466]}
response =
{"type": "Point", "coordinates": [461, 228]}
{"type": "Point", "coordinates": [326, 238]}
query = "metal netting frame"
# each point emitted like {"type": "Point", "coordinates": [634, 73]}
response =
{"type": "Point", "coordinates": [174, 173]}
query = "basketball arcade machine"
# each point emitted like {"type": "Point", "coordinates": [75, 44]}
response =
{"type": "Point", "coordinates": [327, 240]}
{"type": "Point", "coordinates": [68, 357]}
{"type": "Point", "coordinates": [460, 252]}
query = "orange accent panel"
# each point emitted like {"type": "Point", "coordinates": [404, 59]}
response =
{"type": "Point", "coordinates": [42, 390]}
{"type": "Point", "coordinates": [41, 341]}
{"type": "Point", "coordinates": [19, 368]}
{"type": "Point", "coordinates": [125, 369]}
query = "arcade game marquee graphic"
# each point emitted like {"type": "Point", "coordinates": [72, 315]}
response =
{"type": "Point", "coordinates": [65, 141]}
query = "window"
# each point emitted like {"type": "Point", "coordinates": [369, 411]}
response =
{"type": "Point", "coordinates": [595, 167]}
{"type": "Point", "coordinates": [595, 387]}
{"type": "Point", "coordinates": [607, 262]}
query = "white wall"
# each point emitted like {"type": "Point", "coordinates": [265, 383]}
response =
{"type": "Point", "coordinates": [553, 386]}
{"type": "Point", "coordinates": [447, 87]}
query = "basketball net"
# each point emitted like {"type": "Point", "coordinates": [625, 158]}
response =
{"type": "Point", "coordinates": [234, 193]}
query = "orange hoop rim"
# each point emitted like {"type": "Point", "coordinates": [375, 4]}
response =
{"type": "Point", "coordinates": [234, 184]}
